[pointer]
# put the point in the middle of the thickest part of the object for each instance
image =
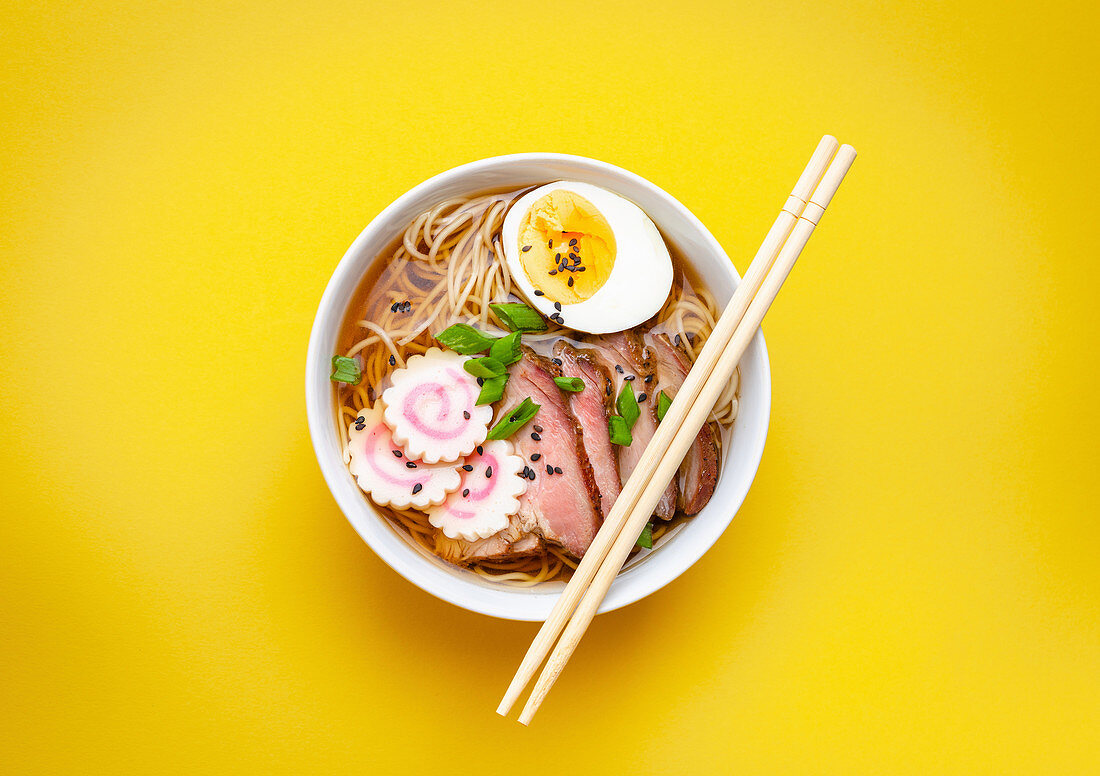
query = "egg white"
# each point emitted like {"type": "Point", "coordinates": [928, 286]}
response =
{"type": "Point", "coordinates": [640, 278]}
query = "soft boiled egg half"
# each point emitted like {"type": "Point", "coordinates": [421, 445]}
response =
{"type": "Point", "coordinates": [586, 257]}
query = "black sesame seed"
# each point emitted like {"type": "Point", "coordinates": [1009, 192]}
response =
{"type": "Point", "coordinates": [581, 269]}
{"type": "Point", "coordinates": [466, 414]}
{"type": "Point", "coordinates": [608, 387]}
{"type": "Point", "coordinates": [619, 368]}
{"type": "Point", "coordinates": [553, 272]}
{"type": "Point", "coordinates": [649, 378]}
{"type": "Point", "coordinates": [549, 469]}
{"type": "Point", "coordinates": [557, 257]}
{"type": "Point", "coordinates": [392, 360]}
{"type": "Point", "coordinates": [393, 307]}
{"type": "Point", "coordinates": [629, 378]}
{"type": "Point", "coordinates": [531, 474]}
{"type": "Point", "coordinates": [536, 437]}
{"type": "Point", "coordinates": [465, 492]}
{"type": "Point", "coordinates": [488, 471]}
{"type": "Point", "coordinates": [557, 470]}
{"type": "Point", "coordinates": [678, 340]}
{"type": "Point", "coordinates": [537, 428]}
{"type": "Point", "coordinates": [410, 465]}
{"type": "Point", "coordinates": [557, 306]}
{"type": "Point", "coordinates": [549, 243]}
{"type": "Point", "coordinates": [641, 397]}
{"type": "Point", "coordinates": [525, 248]}
{"type": "Point", "coordinates": [536, 456]}
{"type": "Point", "coordinates": [573, 241]}
{"type": "Point", "coordinates": [467, 467]}
{"type": "Point", "coordinates": [480, 450]}
{"type": "Point", "coordinates": [570, 283]}
{"type": "Point", "coordinates": [538, 293]}
{"type": "Point", "coordinates": [417, 488]}
{"type": "Point", "coordinates": [397, 453]}
{"type": "Point", "coordinates": [556, 361]}
{"type": "Point", "coordinates": [481, 381]}
{"type": "Point", "coordinates": [574, 257]}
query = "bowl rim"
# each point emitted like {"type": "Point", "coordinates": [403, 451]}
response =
{"type": "Point", "coordinates": [501, 602]}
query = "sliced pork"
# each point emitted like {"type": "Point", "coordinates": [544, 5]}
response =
{"type": "Point", "coordinates": [699, 471]}
{"type": "Point", "coordinates": [627, 358]}
{"type": "Point", "coordinates": [562, 502]}
{"type": "Point", "coordinates": [592, 407]}
{"type": "Point", "coordinates": [511, 543]}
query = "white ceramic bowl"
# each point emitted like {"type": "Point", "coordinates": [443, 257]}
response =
{"type": "Point", "coordinates": [678, 549]}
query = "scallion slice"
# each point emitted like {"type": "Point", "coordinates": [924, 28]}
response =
{"type": "Point", "coordinates": [345, 370]}
{"type": "Point", "coordinates": [571, 384]}
{"type": "Point", "coordinates": [515, 419]}
{"type": "Point", "coordinates": [620, 431]}
{"type": "Point", "coordinates": [519, 317]}
{"type": "Point", "coordinates": [492, 388]}
{"type": "Point", "coordinates": [486, 366]}
{"type": "Point", "coordinates": [663, 403]}
{"type": "Point", "coordinates": [465, 339]}
{"type": "Point", "coordinates": [506, 349]}
{"type": "Point", "coordinates": [628, 406]}
{"type": "Point", "coordinates": [646, 539]}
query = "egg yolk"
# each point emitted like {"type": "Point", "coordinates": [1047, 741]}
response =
{"type": "Point", "coordinates": [566, 247]}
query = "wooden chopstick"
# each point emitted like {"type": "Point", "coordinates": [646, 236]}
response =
{"type": "Point", "coordinates": [674, 417]}
{"type": "Point", "coordinates": [685, 434]}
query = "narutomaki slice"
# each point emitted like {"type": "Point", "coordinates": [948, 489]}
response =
{"type": "Point", "coordinates": [432, 407]}
{"type": "Point", "coordinates": [489, 492]}
{"type": "Point", "coordinates": [387, 474]}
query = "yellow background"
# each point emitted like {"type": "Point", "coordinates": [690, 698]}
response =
{"type": "Point", "coordinates": [912, 585]}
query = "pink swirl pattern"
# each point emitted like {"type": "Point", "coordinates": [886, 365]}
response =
{"type": "Point", "coordinates": [431, 407]}
{"type": "Point", "coordinates": [448, 422]}
{"type": "Point", "coordinates": [388, 475]}
{"type": "Point", "coordinates": [488, 494]}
